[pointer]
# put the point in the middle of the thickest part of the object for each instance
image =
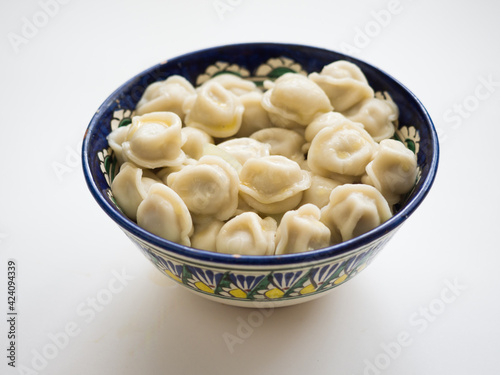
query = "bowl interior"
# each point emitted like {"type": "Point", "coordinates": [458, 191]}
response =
{"type": "Point", "coordinates": [256, 61]}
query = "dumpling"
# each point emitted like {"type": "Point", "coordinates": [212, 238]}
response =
{"type": "Point", "coordinates": [319, 192]}
{"type": "Point", "coordinates": [341, 152]}
{"type": "Point", "coordinates": [204, 236]}
{"type": "Point", "coordinates": [209, 188]}
{"type": "Point", "coordinates": [215, 110]}
{"type": "Point", "coordinates": [273, 184]}
{"type": "Point", "coordinates": [247, 234]}
{"type": "Point", "coordinates": [344, 84]}
{"type": "Point", "coordinates": [377, 116]}
{"type": "Point", "coordinates": [237, 85]}
{"type": "Point", "coordinates": [130, 186]}
{"type": "Point", "coordinates": [255, 117]}
{"type": "Point", "coordinates": [393, 170]}
{"type": "Point", "coordinates": [245, 148]}
{"type": "Point", "coordinates": [163, 173]}
{"type": "Point", "coordinates": [115, 141]}
{"type": "Point", "coordinates": [166, 96]}
{"type": "Point", "coordinates": [154, 140]}
{"type": "Point", "coordinates": [328, 119]}
{"type": "Point", "coordinates": [164, 214]}
{"type": "Point", "coordinates": [354, 209]}
{"type": "Point", "coordinates": [294, 100]}
{"type": "Point", "coordinates": [301, 230]}
{"type": "Point", "coordinates": [283, 142]}
{"type": "Point", "coordinates": [196, 139]}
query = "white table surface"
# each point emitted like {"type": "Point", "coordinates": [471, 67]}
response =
{"type": "Point", "coordinates": [429, 304]}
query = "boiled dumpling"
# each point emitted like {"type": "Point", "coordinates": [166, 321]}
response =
{"type": "Point", "coordinates": [245, 148]}
{"type": "Point", "coordinates": [215, 110]}
{"type": "Point", "coordinates": [115, 141]}
{"type": "Point", "coordinates": [294, 100]}
{"type": "Point", "coordinates": [255, 117]}
{"type": "Point", "coordinates": [377, 116]}
{"type": "Point", "coordinates": [341, 151]}
{"type": "Point", "coordinates": [393, 170]}
{"type": "Point", "coordinates": [328, 119]}
{"type": "Point", "coordinates": [344, 83]}
{"type": "Point", "coordinates": [166, 96]}
{"type": "Point", "coordinates": [354, 209]}
{"type": "Point", "coordinates": [164, 214]}
{"type": "Point", "coordinates": [154, 140]}
{"type": "Point", "coordinates": [247, 234]}
{"type": "Point", "coordinates": [319, 192]}
{"type": "Point", "coordinates": [273, 184]}
{"type": "Point", "coordinates": [209, 188]}
{"type": "Point", "coordinates": [196, 139]}
{"type": "Point", "coordinates": [130, 186]}
{"type": "Point", "coordinates": [237, 85]}
{"type": "Point", "coordinates": [283, 142]}
{"type": "Point", "coordinates": [301, 230]}
{"type": "Point", "coordinates": [205, 235]}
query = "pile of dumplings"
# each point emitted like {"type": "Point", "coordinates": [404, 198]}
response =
{"type": "Point", "coordinates": [301, 164]}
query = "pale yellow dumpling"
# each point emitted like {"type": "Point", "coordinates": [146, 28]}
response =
{"type": "Point", "coordinates": [154, 140]}
{"type": "Point", "coordinates": [164, 214]}
{"type": "Point", "coordinates": [244, 148]}
{"type": "Point", "coordinates": [215, 110]}
{"type": "Point", "coordinates": [247, 234]}
{"type": "Point", "coordinates": [301, 230]}
{"type": "Point", "coordinates": [393, 170]}
{"type": "Point", "coordinates": [273, 184]}
{"type": "Point", "coordinates": [344, 84]}
{"type": "Point", "coordinates": [237, 85]}
{"type": "Point", "coordinates": [376, 115]}
{"type": "Point", "coordinates": [209, 188]}
{"type": "Point", "coordinates": [354, 209]}
{"type": "Point", "coordinates": [130, 186]}
{"type": "Point", "coordinates": [282, 142]}
{"type": "Point", "coordinates": [342, 150]}
{"type": "Point", "coordinates": [166, 96]}
{"type": "Point", "coordinates": [205, 235]}
{"type": "Point", "coordinates": [294, 100]}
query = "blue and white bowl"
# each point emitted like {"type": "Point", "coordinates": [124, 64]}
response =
{"type": "Point", "coordinates": [257, 281]}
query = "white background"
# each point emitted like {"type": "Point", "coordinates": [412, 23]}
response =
{"type": "Point", "coordinates": [68, 251]}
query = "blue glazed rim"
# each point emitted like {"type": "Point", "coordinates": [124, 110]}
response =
{"type": "Point", "coordinates": [183, 65]}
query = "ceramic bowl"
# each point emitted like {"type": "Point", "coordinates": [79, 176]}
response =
{"type": "Point", "coordinates": [257, 281]}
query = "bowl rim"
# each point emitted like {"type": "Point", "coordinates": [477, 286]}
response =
{"type": "Point", "coordinates": [334, 251]}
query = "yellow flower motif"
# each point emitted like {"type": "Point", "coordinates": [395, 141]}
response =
{"type": "Point", "coordinates": [274, 293]}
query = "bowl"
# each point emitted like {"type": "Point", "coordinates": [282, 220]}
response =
{"type": "Point", "coordinates": [257, 281]}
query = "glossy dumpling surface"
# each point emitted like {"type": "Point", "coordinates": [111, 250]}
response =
{"type": "Point", "coordinates": [129, 188]}
{"type": "Point", "coordinates": [301, 230]}
{"type": "Point", "coordinates": [393, 170]}
{"type": "Point", "coordinates": [295, 100]}
{"type": "Point", "coordinates": [247, 234]}
{"type": "Point", "coordinates": [344, 149]}
{"type": "Point", "coordinates": [273, 184]}
{"type": "Point", "coordinates": [154, 140]}
{"type": "Point", "coordinates": [215, 110]}
{"type": "Point", "coordinates": [166, 96]}
{"type": "Point", "coordinates": [344, 83]}
{"type": "Point", "coordinates": [377, 116]}
{"type": "Point", "coordinates": [209, 188]}
{"type": "Point", "coordinates": [282, 142]}
{"type": "Point", "coordinates": [164, 214]}
{"type": "Point", "coordinates": [354, 209]}
{"type": "Point", "coordinates": [245, 148]}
